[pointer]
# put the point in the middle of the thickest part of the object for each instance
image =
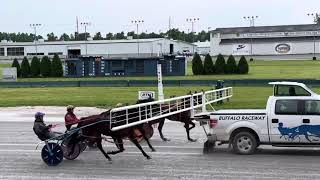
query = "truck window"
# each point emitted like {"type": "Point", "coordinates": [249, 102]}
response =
{"type": "Point", "coordinates": [312, 107]}
{"type": "Point", "coordinates": [287, 107]}
{"type": "Point", "coordinates": [286, 90]}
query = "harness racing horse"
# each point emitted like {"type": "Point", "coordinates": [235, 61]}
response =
{"type": "Point", "coordinates": [98, 125]}
{"type": "Point", "coordinates": [183, 117]}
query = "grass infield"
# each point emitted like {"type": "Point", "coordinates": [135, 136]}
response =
{"type": "Point", "coordinates": [244, 97]}
{"type": "Point", "coordinates": [277, 69]}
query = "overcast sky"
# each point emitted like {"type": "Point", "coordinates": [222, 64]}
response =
{"type": "Point", "coordinates": [115, 15]}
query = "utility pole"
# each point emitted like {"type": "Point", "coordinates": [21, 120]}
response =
{"type": "Point", "coordinates": [85, 24]}
{"type": "Point", "coordinates": [315, 17]}
{"type": "Point", "coordinates": [77, 25]}
{"type": "Point", "coordinates": [34, 26]}
{"type": "Point", "coordinates": [251, 19]}
{"type": "Point", "coordinates": [137, 22]}
{"type": "Point", "coordinates": [169, 27]}
{"type": "Point", "coordinates": [192, 21]}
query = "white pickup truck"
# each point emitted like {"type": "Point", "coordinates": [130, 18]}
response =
{"type": "Point", "coordinates": [291, 118]}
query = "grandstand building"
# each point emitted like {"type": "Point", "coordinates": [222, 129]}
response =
{"type": "Point", "coordinates": [268, 42]}
{"type": "Point", "coordinates": [105, 48]}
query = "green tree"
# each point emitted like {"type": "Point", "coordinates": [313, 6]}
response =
{"type": "Point", "coordinates": [25, 68]}
{"type": "Point", "coordinates": [45, 66]}
{"type": "Point", "coordinates": [35, 67]}
{"type": "Point", "coordinates": [243, 67]}
{"type": "Point", "coordinates": [56, 67]}
{"type": "Point", "coordinates": [109, 36]}
{"type": "Point", "coordinates": [231, 66]}
{"type": "Point", "coordinates": [97, 36]}
{"type": "Point", "coordinates": [220, 64]}
{"type": "Point", "coordinates": [197, 66]}
{"type": "Point", "coordinates": [16, 64]}
{"type": "Point", "coordinates": [208, 65]}
{"type": "Point", "coordinates": [52, 37]}
{"type": "Point", "coordinates": [119, 35]}
{"type": "Point", "coordinates": [64, 37]}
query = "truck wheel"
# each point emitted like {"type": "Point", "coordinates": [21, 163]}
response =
{"type": "Point", "coordinates": [208, 147]}
{"type": "Point", "coordinates": [244, 143]}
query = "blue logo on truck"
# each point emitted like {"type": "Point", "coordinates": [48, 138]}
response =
{"type": "Point", "coordinates": [308, 131]}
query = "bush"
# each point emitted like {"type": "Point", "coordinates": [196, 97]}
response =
{"type": "Point", "coordinates": [243, 67]}
{"type": "Point", "coordinates": [220, 64]}
{"type": "Point", "coordinates": [35, 67]}
{"type": "Point", "coordinates": [45, 66]}
{"type": "Point", "coordinates": [25, 68]}
{"type": "Point", "coordinates": [16, 64]}
{"type": "Point", "coordinates": [197, 66]}
{"type": "Point", "coordinates": [56, 67]}
{"type": "Point", "coordinates": [231, 66]}
{"type": "Point", "coordinates": [208, 65]}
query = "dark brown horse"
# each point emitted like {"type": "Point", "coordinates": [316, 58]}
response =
{"type": "Point", "coordinates": [183, 117]}
{"type": "Point", "coordinates": [93, 127]}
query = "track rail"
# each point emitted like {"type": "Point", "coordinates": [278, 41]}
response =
{"type": "Point", "coordinates": [128, 116]}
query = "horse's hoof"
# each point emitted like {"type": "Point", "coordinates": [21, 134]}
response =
{"type": "Point", "coordinates": [153, 150]}
{"type": "Point", "coordinates": [166, 139]}
{"type": "Point", "coordinates": [148, 157]}
{"type": "Point", "coordinates": [110, 161]}
{"type": "Point", "coordinates": [192, 140]}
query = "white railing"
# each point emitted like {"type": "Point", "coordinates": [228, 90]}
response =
{"type": "Point", "coordinates": [128, 116]}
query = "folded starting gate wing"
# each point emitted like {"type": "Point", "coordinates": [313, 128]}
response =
{"type": "Point", "coordinates": [128, 116]}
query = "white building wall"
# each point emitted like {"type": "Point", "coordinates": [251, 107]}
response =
{"type": "Point", "coordinates": [261, 48]}
{"type": "Point", "coordinates": [117, 48]}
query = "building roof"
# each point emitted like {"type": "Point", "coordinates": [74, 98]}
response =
{"type": "Point", "coordinates": [80, 42]}
{"type": "Point", "coordinates": [88, 42]}
{"type": "Point", "coordinates": [264, 29]}
{"type": "Point", "coordinates": [202, 44]}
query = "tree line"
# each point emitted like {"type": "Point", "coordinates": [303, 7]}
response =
{"type": "Point", "coordinates": [39, 68]}
{"type": "Point", "coordinates": [174, 33]}
{"type": "Point", "coordinates": [220, 66]}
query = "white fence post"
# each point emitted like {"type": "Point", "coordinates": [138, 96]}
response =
{"type": "Point", "coordinates": [191, 105]}
{"type": "Point", "coordinates": [204, 102]}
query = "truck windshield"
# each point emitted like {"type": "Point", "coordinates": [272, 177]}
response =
{"type": "Point", "coordinates": [287, 90]}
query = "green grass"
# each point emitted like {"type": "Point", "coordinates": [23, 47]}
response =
{"type": "Point", "coordinates": [286, 69]}
{"type": "Point", "coordinates": [244, 97]}
{"type": "Point", "coordinates": [277, 69]}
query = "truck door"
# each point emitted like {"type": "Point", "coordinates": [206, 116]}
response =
{"type": "Point", "coordinates": [285, 117]}
{"type": "Point", "coordinates": [309, 130]}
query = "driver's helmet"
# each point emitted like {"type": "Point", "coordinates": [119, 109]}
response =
{"type": "Point", "coordinates": [70, 107]}
{"type": "Point", "coordinates": [39, 114]}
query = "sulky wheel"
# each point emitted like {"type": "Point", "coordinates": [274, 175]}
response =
{"type": "Point", "coordinates": [67, 148]}
{"type": "Point", "coordinates": [52, 154]}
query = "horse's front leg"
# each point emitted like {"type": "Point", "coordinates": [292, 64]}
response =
{"type": "Point", "coordinates": [143, 132]}
{"type": "Point", "coordinates": [119, 144]}
{"type": "Point", "coordinates": [99, 145]}
{"type": "Point", "coordinates": [160, 126]}
{"type": "Point", "coordinates": [134, 140]}
{"type": "Point", "coordinates": [186, 125]}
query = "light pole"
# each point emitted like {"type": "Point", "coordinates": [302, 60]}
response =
{"type": "Point", "coordinates": [85, 24]}
{"type": "Point", "coordinates": [251, 19]}
{"type": "Point", "coordinates": [137, 22]}
{"type": "Point", "coordinates": [34, 26]}
{"type": "Point", "coordinates": [315, 18]}
{"type": "Point", "coordinates": [192, 21]}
